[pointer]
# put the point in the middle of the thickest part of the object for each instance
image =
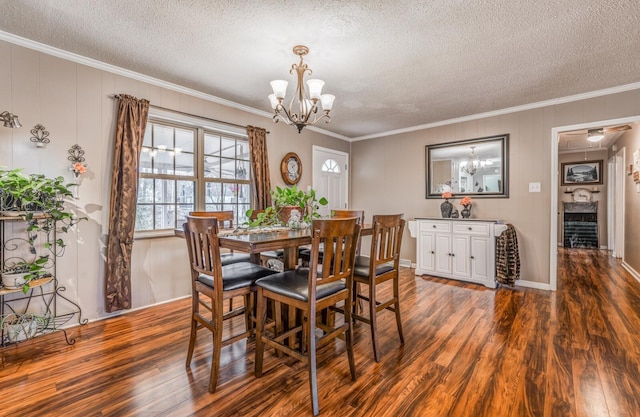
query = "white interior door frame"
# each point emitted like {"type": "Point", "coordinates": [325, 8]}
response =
{"type": "Point", "coordinates": [555, 136]}
{"type": "Point", "coordinates": [618, 195]}
{"type": "Point", "coordinates": [316, 151]}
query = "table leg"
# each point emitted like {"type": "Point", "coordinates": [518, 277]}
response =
{"type": "Point", "coordinates": [290, 258]}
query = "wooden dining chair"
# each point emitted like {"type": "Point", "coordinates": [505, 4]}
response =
{"type": "Point", "coordinates": [310, 290]}
{"type": "Point", "coordinates": [305, 253]}
{"type": "Point", "coordinates": [225, 221]}
{"type": "Point", "coordinates": [380, 266]}
{"type": "Point", "coordinates": [218, 283]}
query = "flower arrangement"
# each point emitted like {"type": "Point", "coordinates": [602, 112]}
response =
{"type": "Point", "coordinates": [78, 168]}
{"type": "Point", "coordinates": [466, 201]}
{"type": "Point", "coordinates": [446, 195]}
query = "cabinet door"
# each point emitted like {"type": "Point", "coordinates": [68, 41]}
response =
{"type": "Point", "coordinates": [460, 258]}
{"type": "Point", "coordinates": [480, 265]}
{"type": "Point", "coordinates": [426, 251]}
{"type": "Point", "coordinates": [443, 253]}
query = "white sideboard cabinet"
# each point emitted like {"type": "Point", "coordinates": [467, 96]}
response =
{"type": "Point", "coordinates": [458, 249]}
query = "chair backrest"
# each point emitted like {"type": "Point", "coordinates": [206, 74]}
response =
{"type": "Point", "coordinates": [358, 214]}
{"type": "Point", "coordinates": [386, 240]}
{"type": "Point", "coordinates": [338, 238]}
{"type": "Point", "coordinates": [201, 234]}
{"type": "Point", "coordinates": [225, 218]}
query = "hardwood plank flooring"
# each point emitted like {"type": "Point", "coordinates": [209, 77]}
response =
{"type": "Point", "coordinates": [470, 351]}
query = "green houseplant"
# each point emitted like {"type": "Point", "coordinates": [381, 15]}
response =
{"type": "Point", "coordinates": [39, 201]}
{"type": "Point", "coordinates": [283, 199]}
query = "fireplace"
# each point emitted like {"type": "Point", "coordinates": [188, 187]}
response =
{"type": "Point", "coordinates": [581, 225]}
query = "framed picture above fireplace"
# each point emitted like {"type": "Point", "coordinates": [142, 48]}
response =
{"type": "Point", "coordinates": [582, 173]}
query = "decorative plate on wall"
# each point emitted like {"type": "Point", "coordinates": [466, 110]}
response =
{"type": "Point", "coordinates": [291, 168]}
{"type": "Point", "coordinates": [582, 195]}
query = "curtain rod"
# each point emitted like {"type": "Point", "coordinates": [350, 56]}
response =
{"type": "Point", "coordinates": [117, 96]}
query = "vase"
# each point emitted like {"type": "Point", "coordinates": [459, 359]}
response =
{"type": "Point", "coordinates": [445, 209]}
{"type": "Point", "coordinates": [466, 211]}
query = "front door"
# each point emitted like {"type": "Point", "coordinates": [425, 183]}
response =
{"type": "Point", "coordinates": [331, 178]}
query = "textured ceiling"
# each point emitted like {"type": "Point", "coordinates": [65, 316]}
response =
{"type": "Point", "coordinates": [391, 64]}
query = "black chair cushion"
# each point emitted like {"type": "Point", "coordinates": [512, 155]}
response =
{"type": "Point", "coordinates": [295, 284]}
{"type": "Point", "coordinates": [232, 258]}
{"type": "Point", "coordinates": [238, 275]}
{"type": "Point", "coordinates": [362, 267]}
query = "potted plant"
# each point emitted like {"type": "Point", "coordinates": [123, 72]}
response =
{"type": "Point", "coordinates": [286, 199]}
{"type": "Point", "coordinates": [23, 326]}
{"type": "Point", "coordinates": [39, 201]}
{"type": "Point", "coordinates": [22, 273]}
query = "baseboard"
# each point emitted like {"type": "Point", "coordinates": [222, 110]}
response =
{"type": "Point", "coordinates": [632, 271]}
{"type": "Point", "coordinates": [414, 265]}
{"type": "Point", "coordinates": [123, 312]}
{"type": "Point", "coordinates": [406, 263]}
{"type": "Point", "coordinates": [535, 285]}
{"type": "Point", "coordinates": [603, 247]}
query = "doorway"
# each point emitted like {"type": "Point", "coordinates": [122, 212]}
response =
{"type": "Point", "coordinates": [331, 178]}
{"type": "Point", "coordinates": [555, 177]}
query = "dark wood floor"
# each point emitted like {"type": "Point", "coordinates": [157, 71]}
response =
{"type": "Point", "coordinates": [469, 351]}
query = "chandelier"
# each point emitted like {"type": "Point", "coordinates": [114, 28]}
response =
{"type": "Point", "coordinates": [471, 166]}
{"type": "Point", "coordinates": [303, 108]}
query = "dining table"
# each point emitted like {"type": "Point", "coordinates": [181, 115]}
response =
{"type": "Point", "coordinates": [255, 241]}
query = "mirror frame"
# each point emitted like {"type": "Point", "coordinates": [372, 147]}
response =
{"type": "Point", "coordinates": [503, 140]}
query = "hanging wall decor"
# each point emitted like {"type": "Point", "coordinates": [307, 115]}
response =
{"type": "Point", "coordinates": [40, 136]}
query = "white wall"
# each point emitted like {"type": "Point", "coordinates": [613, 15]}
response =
{"type": "Point", "coordinates": [74, 103]}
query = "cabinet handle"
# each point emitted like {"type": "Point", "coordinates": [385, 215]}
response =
{"type": "Point", "coordinates": [472, 257]}
{"type": "Point", "coordinates": [434, 226]}
{"type": "Point", "coordinates": [433, 253]}
{"type": "Point", "coordinates": [452, 254]}
{"type": "Point", "coordinates": [470, 228]}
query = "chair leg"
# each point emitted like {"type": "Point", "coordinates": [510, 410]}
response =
{"type": "Point", "coordinates": [397, 309]}
{"type": "Point", "coordinates": [248, 312]}
{"type": "Point", "coordinates": [348, 336]}
{"type": "Point", "coordinates": [309, 326]}
{"type": "Point", "coordinates": [194, 328]}
{"type": "Point", "coordinates": [217, 348]}
{"type": "Point", "coordinates": [372, 320]}
{"type": "Point", "coordinates": [261, 315]}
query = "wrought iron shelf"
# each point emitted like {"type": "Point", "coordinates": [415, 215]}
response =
{"type": "Point", "coordinates": [44, 294]}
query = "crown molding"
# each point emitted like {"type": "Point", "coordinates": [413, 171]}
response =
{"type": "Point", "coordinates": [60, 53]}
{"type": "Point", "coordinates": [508, 110]}
{"type": "Point", "coordinates": [89, 62]}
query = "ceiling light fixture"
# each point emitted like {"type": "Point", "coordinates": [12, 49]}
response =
{"type": "Point", "coordinates": [470, 167]}
{"type": "Point", "coordinates": [10, 119]}
{"type": "Point", "coordinates": [595, 135]}
{"type": "Point", "coordinates": [303, 106]}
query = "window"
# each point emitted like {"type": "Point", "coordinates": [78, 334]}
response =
{"type": "Point", "coordinates": [187, 168]}
{"type": "Point", "coordinates": [330, 165]}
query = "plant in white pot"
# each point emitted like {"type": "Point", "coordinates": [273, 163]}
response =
{"type": "Point", "coordinates": [19, 327]}
{"type": "Point", "coordinates": [40, 202]}
{"type": "Point", "coordinates": [22, 273]}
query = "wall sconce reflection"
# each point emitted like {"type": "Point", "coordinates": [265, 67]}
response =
{"type": "Point", "coordinates": [10, 119]}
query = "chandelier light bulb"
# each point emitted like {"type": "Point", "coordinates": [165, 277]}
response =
{"type": "Point", "coordinates": [315, 88]}
{"type": "Point", "coordinates": [279, 88]}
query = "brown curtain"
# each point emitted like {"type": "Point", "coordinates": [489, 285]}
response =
{"type": "Point", "coordinates": [132, 121]}
{"type": "Point", "coordinates": [259, 167]}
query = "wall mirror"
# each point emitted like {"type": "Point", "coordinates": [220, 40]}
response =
{"type": "Point", "coordinates": [474, 167]}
